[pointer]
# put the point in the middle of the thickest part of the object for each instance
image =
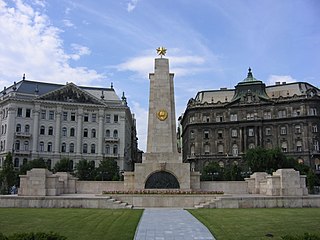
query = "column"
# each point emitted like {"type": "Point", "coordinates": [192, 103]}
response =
{"type": "Point", "coordinates": [79, 131]}
{"type": "Point", "coordinates": [35, 134]}
{"type": "Point", "coordinates": [57, 130]}
{"type": "Point", "coordinates": [100, 132]}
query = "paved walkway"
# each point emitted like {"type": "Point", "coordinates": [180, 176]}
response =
{"type": "Point", "coordinates": [170, 224]}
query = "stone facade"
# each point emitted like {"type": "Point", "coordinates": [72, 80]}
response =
{"type": "Point", "coordinates": [53, 121]}
{"type": "Point", "coordinates": [220, 125]}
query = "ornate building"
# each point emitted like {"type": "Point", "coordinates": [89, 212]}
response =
{"type": "Point", "coordinates": [220, 125]}
{"type": "Point", "coordinates": [53, 121]}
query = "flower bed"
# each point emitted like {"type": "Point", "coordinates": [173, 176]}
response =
{"type": "Point", "coordinates": [163, 191]}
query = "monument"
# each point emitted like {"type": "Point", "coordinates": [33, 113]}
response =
{"type": "Point", "coordinates": [162, 166]}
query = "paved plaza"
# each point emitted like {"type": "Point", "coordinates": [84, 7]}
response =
{"type": "Point", "coordinates": [170, 224]}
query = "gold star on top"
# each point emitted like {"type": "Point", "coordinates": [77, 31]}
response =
{"type": "Point", "coordinates": [161, 51]}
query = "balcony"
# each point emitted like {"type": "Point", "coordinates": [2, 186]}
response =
{"type": "Point", "coordinates": [111, 139]}
{"type": "Point", "coordinates": [22, 152]}
{"type": "Point", "coordinates": [23, 134]}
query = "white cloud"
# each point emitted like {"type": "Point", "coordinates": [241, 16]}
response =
{"type": "Point", "coordinates": [31, 45]}
{"type": "Point", "coordinates": [141, 115]}
{"type": "Point", "coordinates": [79, 51]}
{"type": "Point", "coordinates": [280, 78]}
{"type": "Point", "coordinates": [67, 23]}
{"type": "Point", "coordinates": [132, 5]}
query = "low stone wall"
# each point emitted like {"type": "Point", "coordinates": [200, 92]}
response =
{"type": "Point", "coordinates": [97, 187]}
{"type": "Point", "coordinates": [229, 187]}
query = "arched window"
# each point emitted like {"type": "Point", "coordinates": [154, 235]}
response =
{"type": "Point", "coordinates": [192, 150]}
{"type": "Point", "coordinates": [206, 149]}
{"type": "Point", "coordinates": [42, 130]}
{"type": "Point", "coordinates": [71, 164]}
{"type": "Point", "coordinates": [93, 133]}
{"type": "Point", "coordinates": [27, 128]}
{"type": "Point", "coordinates": [26, 146]}
{"type": "Point", "coordinates": [107, 133]}
{"type": "Point", "coordinates": [220, 148]}
{"type": "Point", "coordinates": [192, 134]}
{"type": "Point", "coordinates": [16, 162]}
{"type": "Point", "coordinates": [64, 132]}
{"type": "Point", "coordinates": [63, 147]}
{"type": "Point", "coordinates": [115, 134]}
{"type": "Point", "coordinates": [71, 147]}
{"type": "Point", "coordinates": [107, 149]}
{"type": "Point", "coordinates": [17, 145]}
{"type": "Point", "coordinates": [315, 145]}
{"type": "Point", "coordinates": [50, 131]}
{"type": "Point", "coordinates": [299, 146]}
{"type": "Point", "coordinates": [41, 146]}
{"type": "Point", "coordinates": [115, 149]}
{"type": "Point", "coordinates": [93, 148]}
{"type": "Point", "coordinates": [85, 148]}
{"type": "Point", "coordinates": [234, 150]}
{"type": "Point", "coordinates": [49, 163]}
{"type": "Point", "coordinates": [18, 128]}
{"type": "Point", "coordinates": [72, 132]}
{"type": "Point", "coordinates": [85, 132]}
{"type": "Point", "coordinates": [49, 149]}
{"type": "Point", "coordinates": [284, 147]}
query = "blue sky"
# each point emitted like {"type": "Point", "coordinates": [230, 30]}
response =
{"type": "Point", "coordinates": [211, 44]}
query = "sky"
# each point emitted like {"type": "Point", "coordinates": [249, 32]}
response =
{"type": "Point", "coordinates": [210, 44]}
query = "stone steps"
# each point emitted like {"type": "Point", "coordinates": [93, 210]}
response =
{"type": "Point", "coordinates": [118, 204]}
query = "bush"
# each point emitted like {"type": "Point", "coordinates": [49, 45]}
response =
{"type": "Point", "coordinates": [305, 236]}
{"type": "Point", "coordinates": [33, 236]}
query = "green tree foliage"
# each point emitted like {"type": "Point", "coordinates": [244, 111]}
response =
{"type": "Point", "coordinates": [108, 170]}
{"type": "Point", "coordinates": [213, 172]}
{"type": "Point", "coordinates": [36, 163]}
{"type": "Point", "coordinates": [64, 165]}
{"type": "Point", "coordinates": [85, 170]}
{"type": "Point", "coordinates": [8, 175]}
{"type": "Point", "coordinates": [33, 236]}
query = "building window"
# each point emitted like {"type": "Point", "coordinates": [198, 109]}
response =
{"type": "Point", "coordinates": [41, 146]}
{"type": "Point", "coordinates": [108, 118]}
{"type": "Point", "coordinates": [299, 146]}
{"type": "Point", "coordinates": [284, 147]}
{"type": "Point", "coordinates": [27, 128]}
{"type": "Point", "coordinates": [18, 128]}
{"type": "Point", "coordinates": [85, 148]}
{"type": "Point", "coordinates": [51, 115]}
{"type": "Point", "coordinates": [107, 149]}
{"type": "Point", "coordinates": [49, 147]}
{"type": "Point", "coordinates": [72, 132]}
{"type": "Point", "coordinates": [71, 148]}
{"type": "Point", "coordinates": [233, 117]}
{"type": "Point", "coordinates": [282, 113]}
{"type": "Point", "coordinates": [49, 163]}
{"type": "Point", "coordinates": [313, 111]}
{"type": "Point", "coordinates": [86, 117]}
{"type": "Point", "coordinates": [26, 146]}
{"type": "Point", "coordinates": [297, 129]}
{"type": "Point", "coordinates": [94, 117]}
{"type": "Point", "coordinates": [50, 131]}
{"type": "Point", "coordinates": [85, 132]}
{"type": "Point", "coordinates": [107, 133]}
{"type": "Point", "coordinates": [192, 134]}
{"type": "Point", "coordinates": [220, 148]}
{"type": "Point", "coordinates": [250, 132]}
{"type": "Point", "coordinates": [250, 116]}
{"type": "Point", "coordinates": [268, 131]}
{"type": "Point", "coordinates": [192, 150]}
{"type": "Point", "coordinates": [24, 161]}
{"type": "Point", "coordinates": [64, 132]}
{"type": "Point", "coordinates": [191, 119]}
{"type": "Point", "coordinates": [315, 128]}
{"type": "Point", "coordinates": [251, 146]}
{"type": "Point", "coordinates": [283, 130]}
{"type": "Point", "coordinates": [234, 133]}
{"type": "Point", "coordinates": [19, 113]}
{"type": "Point", "coordinates": [73, 117]}
{"type": "Point", "coordinates": [316, 145]}
{"type": "Point", "coordinates": [28, 113]}
{"type": "Point", "coordinates": [43, 114]}
{"type": "Point", "coordinates": [115, 134]}
{"type": "Point", "coordinates": [17, 145]}
{"type": "Point", "coordinates": [206, 118]}
{"type": "Point", "coordinates": [206, 134]}
{"type": "Point", "coordinates": [296, 112]}
{"type": "Point", "coordinates": [93, 148]}
{"type": "Point", "coordinates": [42, 130]}
{"type": "Point", "coordinates": [16, 162]}
{"type": "Point", "coordinates": [219, 118]}
{"type": "Point", "coordinates": [65, 116]}
{"type": "Point", "coordinates": [115, 149]}
{"type": "Point", "coordinates": [234, 150]}
{"type": "Point", "coordinates": [115, 118]}
{"type": "Point", "coordinates": [63, 147]}
{"type": "Point", "coordinates": [206, 149]}
{"type": "Point", "coordinates": [269, 144]}
{"type": "Point", "coordinates": [220, 134]}
{"type": "Point", "coordinates": [93, 133]}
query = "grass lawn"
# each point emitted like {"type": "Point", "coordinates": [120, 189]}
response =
{"type": "Point", "coordinates": [77, 224]}
{"type": "Point", "coordinates": [240, 224]}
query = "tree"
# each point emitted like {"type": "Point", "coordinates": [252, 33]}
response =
{"type": "Point", "coordinates": [212, 172]}
{"type": "Point", "coordinates": [36, 163]}
{"type": "Point", "coordinates": [64, 165]}
{"type": "Point", "coordinates": [108, 170]}
{"type": "Point", "coordinates": [85, 170]}
{"type": "Point", "coordinates": [8, 175]}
